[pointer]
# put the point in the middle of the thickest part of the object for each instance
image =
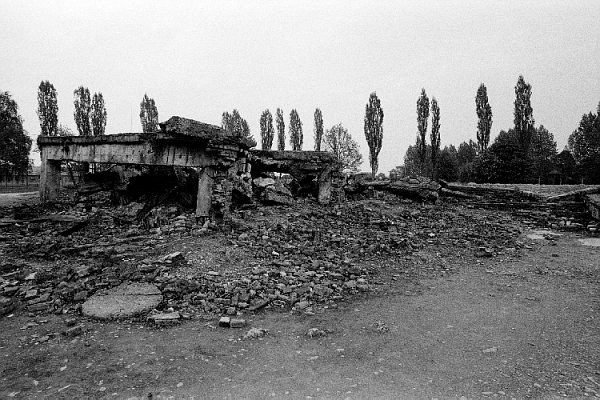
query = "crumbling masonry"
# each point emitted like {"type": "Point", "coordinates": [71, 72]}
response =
{"type": "Point", "coordinates": [224, 160]}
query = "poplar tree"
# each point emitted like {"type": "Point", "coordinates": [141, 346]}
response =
{"type": "Point", "coordinates": [148, 115]}
{"type": "Point", "coordinates": [484, 115]}
{"type": "Point", "coordinates": [295, 129]}
{"type": "Point", "coordinates": [435, 135]}
{"type": "Point", "coordinates": [524, 123]}
{"type": "Point", "coordinates": [83, 109]}
{"type": "Point", "coordinates": [235, 123]}
{"type": "Point", "coordinates": [47, 109]}
{"type": "Point", "coordinates": [280, 130]}
{"type": "Point", "coordinates": [374, 130]}
{"type": "Point", "coordinates": [98, 115]}
{"type": "Point", "coordinates": [267, 132]}
{"type": "Point", "coordinates": [422, 118]}
{"type": "Point", "coordinates": [318, 129]}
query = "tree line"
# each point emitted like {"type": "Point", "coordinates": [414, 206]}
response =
{"type": "Point", "coordinates": [336, 140]}
{"type": "Point", "coordinates": [525, 153]}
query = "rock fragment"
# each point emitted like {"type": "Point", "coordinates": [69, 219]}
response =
{"type": "Point", "coordinates": [255, 333]}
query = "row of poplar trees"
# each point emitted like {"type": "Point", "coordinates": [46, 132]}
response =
{"type": "Point", "coordinates": [525, 153]}
{"type": "Point", "coordinates": [90, 112]}
{"type": "Point", "coordinates": [234, 123]}
{"type": "Point", "coordinates": [335, 140]}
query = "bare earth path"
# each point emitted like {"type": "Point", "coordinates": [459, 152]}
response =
{"type": "Point", "coordinates": [523, 327]}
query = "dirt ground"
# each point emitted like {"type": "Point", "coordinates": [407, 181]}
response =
{"type": "Point", "coordinates": [522, 324]}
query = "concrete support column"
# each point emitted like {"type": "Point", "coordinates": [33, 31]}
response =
{"type": "Point", "coordinates": [205, 188]}
{"type": "Point", "coordinates": [324, 196]}
{"type": "Point", "coordinates": [49, 179]}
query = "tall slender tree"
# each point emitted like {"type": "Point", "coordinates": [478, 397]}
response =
{"type": "Point", "coordinates": [148, 114]}
{"type": "Point", "coordinates": [422, 119]}
{"type": "Point", "coordinates": [484, 115]}
{"type": "Point", "coordinates": [295, 128]}
{"type": "Point", "coordinates": [280, 130]}
{"type": "Point", "coordinates": [83, 109]}
{"type": "Point", "coordinates": [267, 131]}
{"type": "Point", "coordinates": [235, 123]}
{"type": "Point", "coordinates": [47, 109]}
{"type": "Point", "coordinates": [318, 129]}
{"type": "Point", "coordinates": [374, 130]}
{"type": "Point", "coordinates": [435, 136]}
{"type": "Point", "coordinates": [524, 122]}
{"type": "Point", "coordinates": [98, 114]}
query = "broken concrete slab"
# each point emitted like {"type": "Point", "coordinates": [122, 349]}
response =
{"type": "Point", "coordinates": [179, 126]}
{"type": "Point", "coordinates": [7, 305]}
{"type": "Point", "coordinates": [592, 201]}
{"type": "Point", "coordinates": [593, 242]}
{"type": "Point", "coordinates": [574, 194]}
{"type": "Point", "coordinates": [541, 234]}
{"type": "Point", "coordinates": [165, 318]}
{"type": "Point", "coordinates": [419, 188]}
{"type": "Point", "coordinates": [263, 182]}
{"type": "Point", "coordinates": [124, 301]}
{"type": "Point", "coordinates": [277, 194]}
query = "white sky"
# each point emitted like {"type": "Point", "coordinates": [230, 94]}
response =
{"type": "Point", "coordinates": [198, 59]}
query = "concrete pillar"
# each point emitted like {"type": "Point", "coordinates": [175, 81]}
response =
{"type": "Point", "coordinates": [205, 188]}
{"type": "Point", "coordinates": [324, 196]}
{"type": "Point", "coordinates": [49, 179]}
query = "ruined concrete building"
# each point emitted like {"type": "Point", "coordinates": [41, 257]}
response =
{"type": "Point", "coordinates": [225, 162]}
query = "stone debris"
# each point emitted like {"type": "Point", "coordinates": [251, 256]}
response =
{"type": "Point", "coordinates": [227, 322]}
{"type": "Point", "coordinates": [237, 323]}
{"type": "Point", "coordinates": [124, 301]}
{"type": "Point", "coordinates": [419, 188]}
{"type": "Point", "coordinates": [593, 242]}
{"type": "Point", "coordinates": [380, 327]}
{"type": "Point", "coordinates": [165, 318]}
{"type": "Point", "coordinates": [74, 331]}
{"type": "Point", "coordinates": [7, 305]}
{"type": "Point", "coordinates": [277, 194]}
{"type": "Point", "coordinates": [316, 332]}
{"type": "Point", "coordinates": [255, 333]}
{"type": "Point", "coordinates": [302, 258]}
{"type": "Point", "coordinates": [298, 259]}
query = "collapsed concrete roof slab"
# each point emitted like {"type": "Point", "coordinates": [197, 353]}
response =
{"type": "Point", "coordinates": [182, 142]}
{"type": "Point", "coordinates": [290, 161]}
{"type": "Point", "coordinates": [179, 126]}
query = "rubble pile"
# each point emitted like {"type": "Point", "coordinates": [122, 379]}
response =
{"type": "Point", "coordinates": [295, 258]}
{"type": "Point", "coordinates": [417, 187]}
{"type": "Point", "coordinates": [566, 211]}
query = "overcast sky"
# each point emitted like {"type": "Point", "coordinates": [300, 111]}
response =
{"type": "Point", "coordinates": [198, 59]}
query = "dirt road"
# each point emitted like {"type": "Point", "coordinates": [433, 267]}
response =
{"type": "Point", "coordinates": [520, 327]}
